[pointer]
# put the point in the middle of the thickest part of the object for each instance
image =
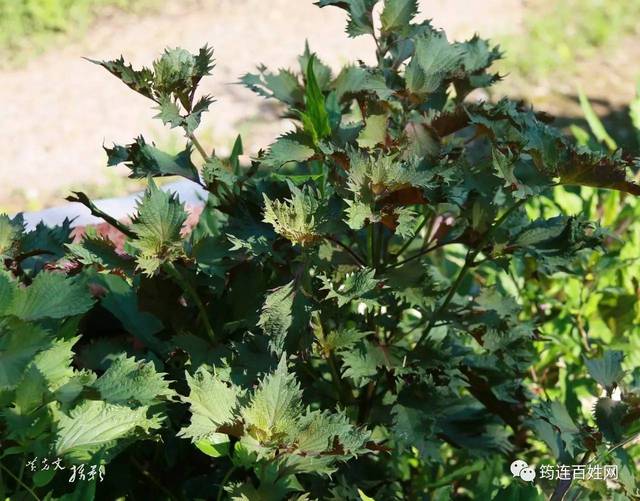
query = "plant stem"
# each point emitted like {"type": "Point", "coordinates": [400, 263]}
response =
{"type": "Point", "coordinates": [21, 474]}
{"type": "Point", "coordinates": [343, 396]}
{"type": "Point", "coordinates": [35, 252]}
{"type": "Point", "coordinates": [462, 472]}
{"type": "Point", "coordinates": [84, 200]}
{"type": "Point", "coordinates": [408, 242]}
{"type": "Point", "coordinates": [417, 255]}
{"type": "Point", "coordinates": [381, 249]}
{"type": "Point", "coordinates": [355, 257]}
{"type": "Point", "coordinates": [370, 245]}
{"type": "Point", "coordinates": [225, 479]}
{"type": "Point", "coordinates": [199, 147]}
{"type": "Point", "coordinates": [469, 262]}
{"type": "Point", "coordinates": [152, 478]}
{"type": "Point", "coordinates": [20, 482]}
{"type": "Point", "coordinates": [190, 291]}
{"type": "Point", "coordinates": [366, 402]}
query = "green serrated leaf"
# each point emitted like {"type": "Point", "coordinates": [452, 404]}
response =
{"type": "Point", "coordinates": [158, 225]}
{"type": "Point", "coordinates": [283, 86]}
{"type": "Point", "coordinates": [95, 428]}
{"type": "Point", "coordinates": [275, 406]}
{"type": "Point", "coordinates": [357, 286]}
{"type": "Point", "coordinates": [51, 295]}
{"type": "Point", "coordinates": [128, 381]}
{"type": "Point", "coordinates": [215, 172]}
{"type": "Point", "coordinates": [284, 151]}
{"type": "Point", "coordinates": [173, 71]}
{"type": "Point", "coordinates": [360, 14]}
{"type": "Point", "coordinates": [374, 132]}
{"type": "Point", "coordinates": [54, 363]}
{"type": "Point", "coordinates": [145, 160]}
{"type": "Point", "coordinates": [140, 80]}
{"type": "Point", "coordinates": [355, 79]}
{"type": "Point", "coordinates": [433, 62]}
{"type": "Point", "coordinates": [212, 403]}
{"type": "Point", "coordinates": [321, 71]}
{"type": "Point", "coordinates": [299, 219]}
{"type": "Point", "coordinates": [10, 231]}
{"type": "Point", "coordinates": [275, 318]}
{"type": "Point", "coordinates": [361, 362]}
{"type": "Point", "coordinates": [398, 14]}
{"type": "Point", "coordinates": [607, 371]}
{"type": "Point", "coordinates": [19, 343]}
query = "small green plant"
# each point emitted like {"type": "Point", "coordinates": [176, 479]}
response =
{"type": "Point", "coordinates": [347, 318]}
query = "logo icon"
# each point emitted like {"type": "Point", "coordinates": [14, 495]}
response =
{"type": "Point", "coordinates": [520, 468]}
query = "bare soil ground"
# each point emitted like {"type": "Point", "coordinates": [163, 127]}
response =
{"type": "Point", "coordinates": [59, 109]}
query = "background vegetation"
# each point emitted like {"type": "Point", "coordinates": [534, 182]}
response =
{"type": "Point", "coordinates": [560, 34]}
{"type": "Point", "coordinates": [28, 27]}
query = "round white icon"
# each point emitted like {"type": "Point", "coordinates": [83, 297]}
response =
{"type": "Point", "coordinates": [528, 474]}
{"type": "Point", "coordinates": [520, 468]}
{"type": "Point", "coordinates": [517, 466]}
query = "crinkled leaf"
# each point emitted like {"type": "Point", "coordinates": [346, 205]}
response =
{"type": "Point", "coordinates": [607, 370]}
{"type": "Point", "coordinates": [286, 150]}
{"type": "Point", "coordinates": [275, 406]}
{"type": "Point", "coordinates": [275, 318]}
{"type": "Point", "coordinates": [212, 403]}
{"type": "Point", "coordinates": [96, 428]}
{"type": "Point", "coordinates": [283, 86]}
{"type": "Point", "coordinates": [300, 218]}
{"type": "Point", "coordinates": [144, 160]}
{"type": "Point", "coordinates": [51, 295]}
{"type": "Point", "coordinates": [357, 286]}
{"type": "Point", "coordinates": [10, 231]}
{"type": "Point", "coordinates": [158, 225]}
{"type": "Point", "coordinates": [128, 381]}
{"type": "Point", "coordinates": [398, 14]}
{"type": "Point", "coordinates": [360, 14]}
{"type": "Point", "coordinates": [374, 132]}
{"type": "Point", "coordinates": [433, 62]}
{"type": "Point", "coordinates": [19, 343]}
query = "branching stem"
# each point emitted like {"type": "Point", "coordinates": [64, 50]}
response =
{"type": "Point", "coordinates": [469, 262]}
{"type": "Point", "coordinates": [20, 482]}
{"type": "Point", "coordinates": [224, 482]}
{"type": "Point", "coordinates": [193, 294]}
{"type": "Point", "coordinates": [418, 255]}
{"type": "Point", "coordinates": [153, 479]}
{"type": "Point", "coordinates": [408, 242]}
{"type": "Point", "coordinates": [348, 249]}
{"type": "Point", "coordinates": [84, 200]}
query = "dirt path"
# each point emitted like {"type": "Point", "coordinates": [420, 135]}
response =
{"type": "Point", "coordinates": [59, 109]}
